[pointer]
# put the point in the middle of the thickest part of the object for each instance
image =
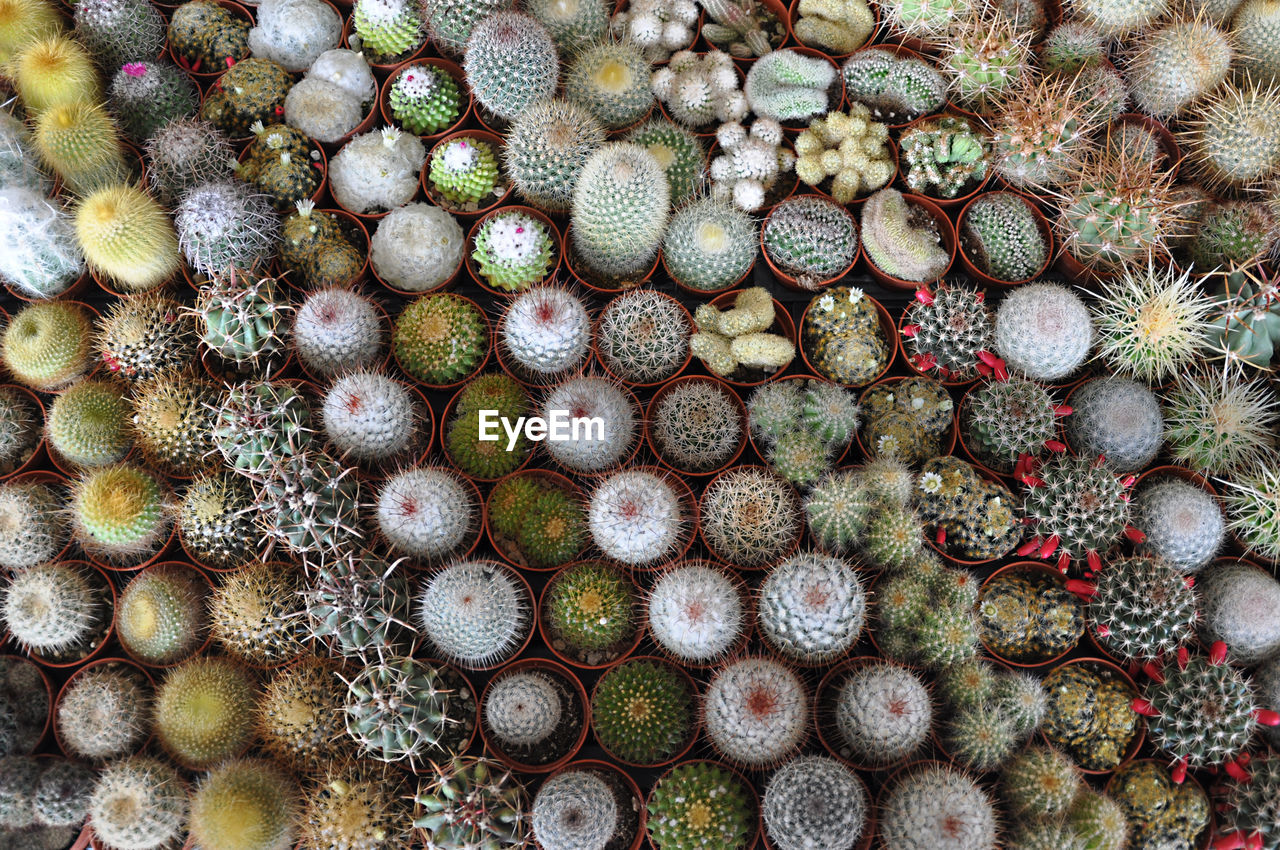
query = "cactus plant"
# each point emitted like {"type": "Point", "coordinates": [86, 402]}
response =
{"type": "Point", "coordinates": [260, 424]}
{"type": "Point", "coordinates": [377, 171]}
{"type": "Point", "coordinates": [55, 611]}
{"type": "Point", "coordinates": [511, 63]}
{"type": "Point", "coordinates": [812, 607]}
{"type": "Point", "coordinates": [79, 142]}
{"type": "Point", "coordinates": [204, 711]}
{"type": "Point", "coordinates": [61, 797]}
{"type": "Point", "coordinates": [934, 805]}
{"type": "Point", "coordinates": [388, 29]}
{"type": "Point", "coordinates": [898, 88]}
{"type": "Point", "coordinates": [1089, 715]}
{"type": "Point", "coordinates": [1246, 319]}
{"type": "Point", "coordinates": [161, 617]}
{"type": "Point", "coordinates": [32, 530]}
{"type": "Point", "coordinates": [1118, 419]}
{"type": "Point", "coordinates": [253, 614]}
{"type": "Point", "coordinates": [299, 716]}
{"type": "Point", "coordinates": [847, 147]}
{"type": "Point", "coordinates": [475, 613]}
{"type": "Point", "coordinates": [637, 518]}
{"type": "Point", "coordinates": [464, 171]}
{"type": "Point", "coordinates": [1253, 28]}
{"type": "Point", "coordinates": [1176, 64]}
{"type": "Point", "coordinates": [1236, 605]}
{"type": "Point", "coordinates": [611, 80]}
{"type": "Point", "coordinates": [1228, 138]}
{"type": "Point", "coordinates": [1250, 501]}
{"type": "Point", "coordinates": [755, 712]}
{"type": "Point", "coordinates": [358, 602]}
{"type": "Point", "coordinates": [698, 805]}
{"type": "Point", "coordinates": [1002, 236]}
{"type": "Point", "coordinates": [748, 171]}
{"type": "Point", "coordinates": [1183, 523]}
{"type": "Point", "coordinates": [139, 803]}
{"type": "Point", "coordinates": [183, 154]}
{"type": "Point", "coordinates": [513, 251]}
{"type": "Point", "coordinates": [709, 245]}
{"type": "Point", "coordinates": [204, 36]}
{"type": "Point", "coordinates": [603, 446]}
{"type": "Point", "coordinates": [1040, 782]}
{"type": "Point", "coordinates": [371, 418]}
{"type": "Point", "coordinates": [696, 612]}
{"type": "Point", "coordinates": [119, 513]}
{"type": "Point", "coordinates": [526, 711]}
{"type": "Point", "coordinates": [310, 504]}
{"type": "Point", "coordinates": [249, 91]}
{"type": "Point", "coordinates": [590, 609]}
{"type": "Point", "coordinates": [837, 509]}
{"type": "Point", "coordinates": [843, 337]}
{"type": "Point", "coordinates": [45, 258]}
{"type": "Point", "coordinates": [750, 517]}
{"type": "Point", "coordinates": [215, 520]}
{"type": "Point", "coordinates": [402, 709]}
{"type": "Point", "coordinates": [19, 429]}
{"type": "Point", "coordinates": [242, 801]}
{"type": "Point", "coordinates": [173, 423]}
{"type": "Point", "coordinates": [815, 801]}
{"type": "Point", "coordinates": [424, 99]}
{"type": "Point", "coordinates": [547, 146]}
{"type": "Point", "coordinates": [680, 153]}
{"type": "Point", "coordinates": [426, 513]}
{"type": "Point", "coordinates": [1043, 330]}
{"type": "Point", "coordinates": [696, 426]}
{"type": "Point", "coordinates": [944, 157]}
{"type": "Point", "coordinates": [361, 805]}
{"type": "Point", "coordinates": [1202, 712]}
{"type": "Point", "coordinates": [1076, 508]}
{"type": "Point", "coordinates": [642, 336]}
{"type": "Point", "coordinates": [812, 238]}
{"type": "Point", "coordinates": [337, 331]}
{"type": "Point", "coordinates": [282, 163]}
{"type": "Point", "coordinates": [883, 713]}
{"type": "Point", "coordinates": [1003, 420]}
{"type": "Point", "coordinates": [579, 808]}
{"type": "Point", "coordinates": [471, 803]}
{"type": "Point", "coordinates": [901, 239]}
{"type": "Point", "coordinates": [642, 711]}
{"type": "Point", "coordinates": [949, 328]}
{"type": "Point", "coordinates": [1249, 805]}
{"type": "Point", "coordinates": [786, 85]}
{"type": "Point", "coordinates": [439, 339]}
{"type": "Point", "coordinates": [1217, 423]}
{"type": "Point", "coordinates": [224, 226]}
{"type": "Point", "coordinates": [1142, 608]}
{"type": "Point", "coordinates": [51, 69]}
{"type": "Point", "coordinates": [86, 424]}
{"type": "Point", "coordinates": [147, 96]}
{"type": "Point", "coordinates": [545, 330]}
{"type": "Point", "coordinates": [621, 203]}
{"type": "Point", "coordinates": [127, 237]}
{"type": "Point", "coordinates": [46, 346]}
{"type": "Point", "coordinates": [146, 336]}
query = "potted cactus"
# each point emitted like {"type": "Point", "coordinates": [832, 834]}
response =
{"type": "Point", "coordinates": [873, 714]}
{"type": "Point", "coordinates": [60, 614]}
{"type": "Point", "coordinates": [696, 425]}
{"type": "Point", "coordinates": [427, 97]}
{"type": "Point", "coordinates": [842, 341]}
{"type": "Point", "coordinates": [730, 803]}
{"type": "Point", "coordinates": [1028, 615]}
{"type": "Point", "coordinates": [534, 715]}
{"type": "Point", "coordinates": [944, 159]}
{"type": "Point", "coordinates": [642, 711]}
{"type": "Point", "coordinates": [744, 337]}
{"type": "Point", "coordinates": [590, 614]}
{"type": "Point", "coordinates": [463, 173]}
{"type": "Point", "coordinates": [103, 712]}
{"type": "Point", "coordinates": [589, 803]}
{"type": "Point", "coordinates": [512, 249]}
{"type": "Point", "coordinates": [809, 242]}
{"type": "Point", "coordinates": [1004, 239]}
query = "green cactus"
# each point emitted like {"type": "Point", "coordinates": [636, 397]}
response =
{"type": "Point", "coordinates": [358, 603]}
{"type": "Point", "coordinates": [215, 520]}
{"type": "Point", "coordinates": [709, 244]}
{"type": "Point", "coordinates": [424, 99]}
{"type": "Point", "coordinates": [243, 321]}
{"type": "Point", "coordinates": [46, 345]}
{"type": "Point", "coordinates": [1040, 782]}
{"type": "Point", "coordinates": [985, 57]}
{"type": "Point", "coordinates": [944, 157]}
{"type": "Point", "coordinates": [546, 148]}
{"type": "Point", "coordinates": [1202, 712]}
{"type": "Point", "coordinates": [87, 424]}
{"type": "Point", "coordinates": [811, 237]}
{"type": "Point", "coordinates": [898, 88]}
{"type": "Point", "coordinates": [120, 513]}
{"type": "Point", "coordinates": [245, 803]}
{"type": "Point", "coordinates": [401, 709]}
{"type": "Point", "coordinates": [680, 153]}
{"type": "Point", "coordinates": [204, 36]}
{"type": "Point", "coordinates": [145, 96]}
{"type": "Point", "coordinates": [511, 63]}
{"type": "Point", "coordinates": [388, 28]}
{"type": "Point", "coordinates": [620, 209]}
{"type": "Point", "coordinates": [1003, 420]}
{"type": "Point", "coordinates": [591, 608]}
{"type": "Point", "coordinates": [465, 172]}
{"type": "Point", "coordinates": [310, 504]}
{"type": "Point", "coordinates": [611, 80]}
{"type": "Point", "coordinates": [1002, 236]}
{"type": "Point", "coordinates": [251, 90]}
{"type": "Point", "coordinates": [700, 805]}
{"type": "Point", "coordinates": [1250, 806]}
{"type": "Point", "coordinates": [204, 711]}
{"type": "Point", "coordinates": [80, 143]}
{"type": "Point", "coordinates": [1245, 319]}
{"type": "Point", "coordinates": [146, 336]}
{"type": "Point", "coordinates": [1078, 507]}
{"type": "Point", "coordinates": [1233, 234]}
{"type": "Point", "coordinates": [440, 338]}
{"type": "Point", "coordinates": [471, 803]}
{"type": "Point", "coordinates": [513, 251]}
{"type": "Point", "coordinates": [642, 711]}
{"type": "Point", "coordinates": [260, 424]}
{"type": "Point", "coordinates": [160, 617]}
{"type": "Point", "coordinates": [1230, 139]}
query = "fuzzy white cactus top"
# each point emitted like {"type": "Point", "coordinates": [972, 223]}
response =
{"type": "Point", "coordinates": [514, 238]}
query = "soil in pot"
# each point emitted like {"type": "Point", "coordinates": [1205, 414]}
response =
{"type": "Point", "coordinates": [517, 700]}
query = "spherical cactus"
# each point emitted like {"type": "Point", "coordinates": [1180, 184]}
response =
{"type": "Point", "coordinates": [1116, 18]}
{"type": "Point", "coordinates": [426, 513]}
{"type": "Point", "coordinates": [837, 509]}
{"type": "Point", "coordinates": [680, 153]}
{"type": "Point", "coordinates": [1252, 513]}
{"type": "Point", "coordinates": [642, 711]}
{"type": "Point", "coordinates": [337, 330]}
{"type": "Point", "coordinates": [1177, 64]}
{"type": "Point", "coordinates": [1077, 507]}
{"type": "Point", "coordinates": [621, 203]}
{"type": "Point", "coordinates": [948, 333]}
{"type": "Point", "coordinates": [546, 149]}
{"type": "Point", "coordinates": [545, 330]}
{"type": "Point", "coordinates": [1218, 425]}
{"type": "Point", "coordinates": [127, 237]}
{"type": "Point", "coordinates": [475, 613]}
{"type": "Point", "coordinates": [245, 804]}
{"type": "Point", "coordinates": [610, 79]}
{"type": "Point", "coordinates": [935, 805]}
{"type": "Point", "coordinates": [260, 424]}
{"type": "Point", "coordinates": [45, 258]}
{"type": "Point", "coordinates": [52, 70]}
{"type": "Point", "coordinates": [1255, 28]}
{"type": "Point", "coordinates": [1040, 782]}
{"type": "Point", "coordinates": [1249, 806]}
{"type": "Point", "coordinates": [1229, 140]}
{"type": "Point", "coordinates": [183, 154]}
{"type": "Point", "coordinates": [215, 520]}
{"type": "Point", "coordinates": [1142, 609]}
{"type": "Point", "coordinates": [424, 99]}
{"type": "Point", "coordinates": [357, 603]}
{"type": "Point", "coordinates": [642, 336]}
{"type": "Point", "coordinates": [1201, 712]}
{"type": "Point", "coordinates": [360, 805]}
{"type": "Point", "coordinates": [590, 608]}
{"type": "Point", "coordinates": [602, 446]}
{"type": "Point", "coordinates": [756, 712]}
{"type": "Point", "coordinates": [1239, 604]}
{"type": "Point", "coordinates": [310, 504]}
{"type": "Point", "coordinates": [440, 338]}
{"type": "Point", "coordinates": [810, 237]}
{"type": "Point", "coordinates": [883, 713]}
{"type": "Point", "coordinates": [32, 530]}
{"type": "Point", "coordinates": [146, 336]}
{"type": "Point", "coordinates": [511, 63]}
{"type": "Point", "coordinates": [139, 803]}
{"type": "Point", "coordinates": [701, 804]}
{"type": "Point", "coordinates": [79, 142]}
{"type": "Point", "coordinates": [1118, 419]}
{"type": "Point", "coordinates": [576, 809]}
{"type": "Point", "coordinates": [812, 607]}
{"type": "Point", "coordinates": [696, 426]}
{"type": "Point", "coordinates": [61, 798]}
{"type": "Point", "coordinates": [464, 171]}
{"type": "Point", "coordinates": [120, 513]}
{"type": "Point", "coordinates": [1043, 330]}
{"type": "Point", "coordinates": [637, 517]}
{"type": "Point", "coordinates": [524, 709]}
{"type": "Point", "coordinates": [370, 418]}
{"type": "Point", "coordinates": [513, 251]}
{"type": "Point", "coordinates": [696, 612]}
{"type": "Point", "coordinates": [980, 737]}
{"type": "Point", "coordinates": [146, 96]}
{"type": "Point", "coordinates": [299, 716]}
{"type": "Point", "coordinates": [86, 424]}
{"type": "Point", "coordinates": [571, 23]}
{"type": "Point", "coordinates": [254, 614]}
{"type": "Point", "coordinates": [985, 57]}
{"type": "Point", "coordinates": [55, 611]}
{"type": "Point", "coordinates": [1003, 237]}
{"type": "Point", "coordinates": [814, 801]}
{"type": "Point", "coordinates": [402, 709]}
{"type": "Point", "coordinates": [1004, 420]}
{"type": "Point", "coordinates": [19, 429]}
{"type": "Point", "coordinates": [204, 711]}
{"type": "Point", "coordinates": [709, 245]}
{"type": "Point", "coordinates": [46, 345]}
{"type": "Point", "coordinates": [173, 423]}
{"type": "Point", "coordinates": [1183, 523]}
{"type": "Point", "coordinates": [161, 615]}
{"type": "Point", "coordinates": [224, 226]}
{"type": "Point", "coordinates": [105, 712]}
{"type": "Point", "coordinates": [25, 22]}
{"type": "Point", "coordinates": [470, 802]}
{"type": "Point", "coordinates": [750, 517]}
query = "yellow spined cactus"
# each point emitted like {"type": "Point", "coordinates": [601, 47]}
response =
{"type": "Point", "coordinates": [842, 26]}
{"type": "Point", "coordinates": [128, 237]}
{"type": "Point", "coordinates": [54, 70]}
{"type": "Point", "coordinates": [80, 143]}
{"type": "Point", "coordinates": [25, 21]}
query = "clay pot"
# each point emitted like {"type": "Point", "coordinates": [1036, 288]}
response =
{"type": "Point", "coordinates": [48, 690]}
{"type": "Point", "coordinates": [488, 336]}
{"type": "Point", "coordinates": [695, 719]}
{"type": "Point", "coordinates": [604, 361]}
{"type": "Point", "coordinates": [97, 662]}
{"type": "Point", "coordinates": [359, 237]}
{"type": "Point", "coordinates": [35, 457]}
{"type": "Point", "coordinates": [1136, 744]}
{"type": "Point", "coordinates": [1179, 472]}
{"type": "Point", "coordinates": [651, 414]}
{"type": "Point", "coordinates": [793, 16]}
{"type": "Point", "coordinates": [1036, 567]}
{"type": "Point", "coordinates": [557, 249]}
{"type": "Point", "coordinates": [599, 659]}
{"type": "Point", "coordinates": [76, 289]}
{"type": "Point", "coordinates": [103, 637]}
{"type": "Point", "coordinates": [783, 325]}
{"type": "Point", "coordinates": [790, 281]}
{"type": "Point", "coordinates": [205, 76]}
{"type": "Point", "coordinates": [946, 233]}
{"type": "Point", "coordinates": [589, 280]}
{"type": "Point", "coordinates": [489, 202]}
{"type": "Point", "coordinates": [450, 68]}
{"type": "Point", "coordinates": [978, 274]}
{"type": "Point", "coordinates": [975, 189]}
{"type": "Point", "coordinates": [508, 549]}
{"type": "Point", "coordinates": [754, 795]}
{"type": "Point", "coordinates": [824, 703]}
{"type": "Point", "coordinates": [584, 705]}
{"type": "Point", "coordinates": [886, 327]}
{"type": "Point", "coordinates": [199, 648]}
{"type": "Point", "coordinates": [791, 548]}
{"type": "Point", "coordinates": [446, 419]}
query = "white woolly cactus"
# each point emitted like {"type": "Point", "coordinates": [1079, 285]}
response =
{"type": "Point", "coordinates": [787, 85]}
{"type": "Point", "coordinates": [523, 708]}
{"type": "Point", "coordinates": [699, 89]}
{"type": "Point", "coordinates": [599, 447]}
{"type": "Point", "coordinates": [1044, 331]}
{"type": "Point", "coordinates": [426, 513]}
{"type": "Point", "coordinates": [938, 807]}
{"type": "Point", "coordinates": [337, 330]}
{"type": "Point", "coordinates": [659, 27]}
{"type": "Point", "coordinates": [476, 613]}
{"type": "Point", "coordinates": [293, 33]}
{"type": "Point", "coordinates": [139, 803]}
{"type": "Point", "coordinates": [812, 802]}
{"type": "Point", "coordinates": [377, 171]}
{"type": "Point", "coordinates": [417, 248]}
{"type": "Point", "coordinates": [1117, 418]}
{"type": "Point", "coordinates": [575, 810]}
{"type": "Point", "coordinates": [751, 164]}
{"type": "Point", "coordinates": [696, 612]}
{"type": "Point", "coordinates": [370, 417]}
{"type": "Point", "coordinates": [546, 330]}
{"type": "Point", "coordinates": [32, 527]}
{"type": "Point", "coordinates": [756, 712]}
{"type": "Point", "coordinates": [53, 610]}
{"type": "Point", "coordinates": [883, 713]}
{"type": "Point", "coordinates": [636, 517]}
{"type": "Point", "coordinates": [322, 110]}
{"type": "Point", "coordinates": [812, 607]}
{"type": "Point", "coordinates": [41, 257]}
{"type": "Point", "coordinates": [1183, 524]}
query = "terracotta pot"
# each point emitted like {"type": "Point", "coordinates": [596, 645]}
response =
{"type": "Point", "coordinates": [450, 68]}
{"type": "Point", "coordinates": [909, 359]}
{"type": "Point", "coordinates": [793, 16]}
{"type": "Point", "coordinates": [946, 233]}
{"type": "Point", "coordinates": [508, 549]}
{"type": "Point", "coordinates": [488, 337]}
{"type": "Point", "coordinates": [75, 290]}
{"type": "Point", "coordinates": [103, 637]}
{"type": "Point", "coordinates": [886, 327]}
{"type": "Point", "coordinates": [1206, 836]}
{"type": "Point", "coordinates": [959, 561]}
{"type": "Point", "coordinates": [571, 681]}
{"type": "Point", "coordinates": [604, 360]}
{"type": "Point", "coordinates": [1136, 744]}
{"type": "Point", "coordinates": [791, 548]}
{"type": "Point", "coordinates": [746, 597]}
{"type": "Point", "coordinates": [978, 274]}
{"type": "Point", "coordinates": [754, 796]}
{"type": "Point", "coordinates": [34, 459]}
{"type": "Point", "coordinates": [783, 325]}
{"type": "Point", "coordinates": [97, 662]}
{"type": "Point", "coordinates": [387, 64]}
{"type": "Point", "coordinates": [611, 656]}
{"type": "Point", "coordinates": [790, 281]}
{"type": "Point", "coordinates": [1168, 144]}
{"type": "Point", "coordinates": [975, 189]}
{"type": "Point", "coordinates": [48, 690]}
{"type": "Point", "coordinates": [651, 415]}
{"type": "Point", "coordinates": [1179, 472]}
{"type": "Point", "coordinates": [761, 449]}
{"type": "Point", "coordinates": [901, 47]}
{"type": "Point", "coordinates": [948, 442]}
{"type": "Point", "coordinates": [557, 247]}
{"type": "Point", "coordinates": [1038, 568]}
{"type": "Point", "coordinates": [589, 280]}
{"type": "Point", "coordinates": [205, 76]}
{"type": "Point", "coordinates": [824, 712]}
{"type": "Point", "coordinates": [689, 512]}
{"type": "Point", "coordinates": [198, 649]}
{"type": "Point", "coordinates": [60, 485]}
{"type": "Point", "coordinates": [490, 202]}
{"type": "Point", "coordinates": [695, 718]}
{"type": "Point", "coordinates": [446, 420]}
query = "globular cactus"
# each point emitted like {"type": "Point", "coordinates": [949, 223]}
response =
{"type": "Point", "coordinates": [944, 157]}
{"type": "Point", "coordinates": [922, 19]}
{"type": "Point", "coordinates": [87, 424]}
{"type": "Point", "coordinates": [1245, 319]}
{"type": "Point", "coordinates": [204, 711]}
{"type": "Point", "coordinates": [370, 417]}
{"type": "Point", "coordinates": [146, 336]}
{"type": "Point", "coordinates": [310, 504]}
{"type": "Point", "coordinates": [576, 809]}
{"type": "Point", "coordinates": [1254, 28]}
{"type": "Point", "coordinates": [621, 204]}
{"type": "Point", "coordinates": [337, 330]}
{"type": "Point", "coordinates": [984, 57]}
{"type": "Point", "coordinates": [127, 238]}
{"type": "Point", "coordinates": [1238, 602]}
{"type": "Point", "coordinates": [475, 613]}
{"type": "Point", "coordinates": [1117, 418]}
{"type": "Point", "coordinates": [755, 712]}
{"type": "Point", "coordinates": [837, 510]}
{"type": "Point", "coordinates": [120, 513]}
{"type": "Point", "coordinates": [80, 143]}
{"type": "Point", "coordinates": [637, 517]}
{"type": "Point", "coordinates": [32, 529]}
{"type": "Point", "coordinates": [1158, 809]}
{"type": "Point", "coordinates": [936, 805]}
{"type": "Point", "coordinates": [1233, 234]}
{"type": "Point", "coordinates": [50, 70]}
{"type": "Point", "coordinates": [1116, 18]}
{"type": "Point", "coordinates": [204, 36]}
{"type": "Point", "coordinates": [1077, 509]}
{"type": "Point", "coordinates": [281, 163]}
{"type": "Point", "coordinates": [591, 608]}
{"type": "Point", "coordinates": [26, 21]}
{"type": "Point", "coordinates": [902, 240]}
{"type": "Point", "coordinates": [789, 86]}
{"type": "Point", "coordinates": [513, 251]}
{"type": "Point", "coordinates": [183, 154]}
{"type": "Point", "coordinates": [1175, 65]}
{"type": "Point", "coordinates": [844, 337]}
{"type": "Point", "coordinates": [1250, 500]}
{"type": "Point", "coordinates": [812, 607]}
{"type": "Point", "coordinates": [245, 797]}
{"type": "Point", "coordinates": [814, 801]}
{"type": "Point", "coordinates": [1043, 132]}
{"type": "Point", "coordinates": [465, 172]}
{"type": "Point", "coordinates": [642, 336]}
{"type": "Point", "coordinates": [249, 92]}
{"type": "Point", "coordinates": [426, 513]}
{"type": "Point", "coordinates": [1249, 809]}
{"type": "Point", "coordinates": [139, 803]}
{"type": "Point", "coordinates": [696, 426]}
{"type": "Point", "coordinates": [19, 429]}
{"type": "Point", "coordinates": [545, 330]}
{"type": "Point", "coordinates": [54, 611]}
{"type": "Point", "coordinates": [1002, 236]}
{"type": "Point", "coordinates": [642, 711]}
{"type": "Point", "coordinates": [1151, 323]}
{"type": "Point", "coordinates": [147, 96]}
{"type": "Point", "coordinates": [1004, 420]}
{"type": "Point", "coordinates": [511, 63]}
{"type": "Point", "coordinates": [378, 171]}
{"type": "Point", "coordinates": [357, 604]}
{"type": "Point", "coordinates": [1044, 331]}
{"type": "Point", "coordinates": [1142, 608]}
{"type": "Point", "coordinates": [224, 226]}
{"type": "Point", "coordinates": [401, 709]}
{"type": "Point", "coordinates": [812, 238]}
{"type": "Point", "coordinates": [322, 250]}
{"type": "Point", "coordinates": [681, 154]}
{"type": "Point", "coordinates": [1040, 782]}
{"type": "Point", "coordinates": [524, 709]}
{"type": "Point", "coordinates": [980, 737]}
{"type": "Point", "coordinates": [1203, 712]}
{"type": "Point", "coordinates": [161, 616]}
{"type": "Point", "coordinates": [1218, 424]}
{"type": "Point", "coordinates": [899, 88]}
{"type": "Point", "coordinates": [752, 162]}
{"type": "Point", "coordinates": [750, 517]}
{"type": "Point", "coordinates": [17, 790]}
{"type": "Point", "coordinates": [1229, 140]}
{"type": "Point", "coordinates": [260, 424]}
{"type": "Point", "coordinates": [471, 803]}
{"type": "Point", "coordinates": [299, 715]}
{"type": "Point", "coordinates": [440, 338]}
{"type": "Point", "coordinates": [424, 99]}
{"type": "Point", "coordinates": [883, 713]}
{"type": "Point", "coordinates": [1182, 522]}
{"type": "Point", "coordinates": [173, 422]}
{"type": "Point", "coordinates": [254, 614]}
{"type": "Point", "coordinates": [242, 319]}
{"type": "Point", "coordinates": [696, 612]}
{"type": "Point", "coordinates": [360, 805]}
{"type": "Point", "coordinates": [701, 804]}
{"type": "Point", "coordinates": [546, 149]}
{"type": "Point", "coordinates": [611, 80]}
{"type": "Point", "coordinates": [61, 795]}
{"type": "Point", "coordinates": [850, 149]}
{"type": "Point", "coordinates": [388, 29]}
{"type": "Point", "coordinates": [44, 258]}
{"type": "Point", "coordinates": [947, 329]}
{"type": "Point", "coordinates": [215, 520]}
{"type": "Point", "coordinates": [602, 447]}
{"type": "Point", "coordinates": [709, 245]}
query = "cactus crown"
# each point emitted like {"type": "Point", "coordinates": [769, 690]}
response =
{"type": "Point", "coordinates": [1202, 712]}
{"type": "Point", "coordinates": [471, 804]}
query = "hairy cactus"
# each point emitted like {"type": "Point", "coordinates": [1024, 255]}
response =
{"type": "Point", "coordinates": [32, 530]}
{"type": "Point", "coordinates": [642, 711]}
{"type": "Point", "coordinates": [1003, 420]}
{"type": "Point", "coordinates": [79, 143]}
{"type": "Point", "coordinates": [814, 801]}
{"type": "Point", "coordinates": [750, 517]}
{"type": "Point", "coordinates": [359, 806]}
{"type": "Point", "coordinates": [709, 245]}
{"type": "Point", "coordinates": [1229, 139]}
{"type": "Point", "coordinates": [86, 424]}
{"type": "Point", "coordinates": [1219, 424]}
{"type": "Point", "coordinates": [1040, 782]}
{"type": "Point", "coordinates": [337, 330]}
{"type": "Point", "coordinates": [883, 713]}
{"type": "Point", "coordinates": [46, 345]}
{"type": "Point", "coordinates": [1239, 602]}
{"type": "Point", "coordinates": [44, 258]}
{"type": "Point", "coordinates": [577, 809]}
{"type": "Point", "coordinates": [471, 803]}
{"type": "Point", "coordinates": [812, 607]}
{"type": "Point", "coordinates": [748, 171]}
{"type": "Point", "coordinates": [621, 204]}
{"type": "Point", "coordinates": [401, 709]}
{"type": "Point", "coordinates": [56, 611]}
{"type": "Point", "coordinates": [901, 239]}
{"type": "Point", "coordinates": [61, 795]}
{"type": "Point", "coordinates": [1043, 330]}
{"type": "Point", "coordinates": [253, 614]}
{"type": "Point", "coordinates": [812, 238]}
{"type": "Point", "coordinates": [698, 90]}
{"type": "Point", "coordinates": [139, 803]}
{"type": "Point", "coordinates": [934, 806]}
{"type": "Point", "coordinates": [120, 513]}
{"type": "Point", "coordinates": [244, 800]}
{"type": "Point", "coordinates": [696, 426]}
{"type": "Point", "coordinates": [511, 63]}
{"type": "Point", "coordinates": [204, 711]}
{"type": "Point", "coordinates": [1202, 712]}
{"type": "Point", "coordinates": [545, 330]}
{"type": "Point", "coordinates": [426, 513]}
{"type": "Point", "coordinates": [696, 612]}
{"type": "Point", "coordinates": [610, 79]}
{"type": "Point", "coordinates": [593, 398]}
{"type": "Point", "coordinates": [299, 715]}
{"type": "Point", "coordinates": [513, 251]}
{"type": "Point", "coordinates": [637, 518]}
{"type": "Point", "coordinates": [127, 237]}
{"type": "Point", "coordinates": [755, 712]}
{"type": "Point", "coordinates": [1250, 501]}
{"type": "Point", "coordinates": [49, 68]}
{"type": "Point", "coordinates": [525, 709]}
{"type": "Point", "coordinates": [1118, 419]}
{"type": "Point", "coordinates": [1183, 523]}
{"type": "Point", "coordinates": [147, 96]}
{"type": "Point", "coordinates": [104, 712]}
{"type": "Point", "coordinates": [370, 418]}
{"type": "Point", "coordinates": [146, 336]}
{"type": "Point", "coordinates": [183, 154]}
{"type": "Point", "coordinates": [701, 804]}
{"type": "Point", "coordinates": [475, 613]}
{"type": "Point", "coordinates": [1077, 509]}
{"type": "Point", "coordinates": [1177, 64]}
{"type": "Point", "coordinates": [173, 423]}
{"type": "Point", "coordinates": [546, 149]}
{"type": "Point", "coordinates": [224, 226]}
{"type": "Point", "coordinates": [642, 336]}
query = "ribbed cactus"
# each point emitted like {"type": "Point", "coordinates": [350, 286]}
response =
{"type": "Point", "coordinates": [620, 208]}
{"type": "Point", "coordinates": [204, 711]}
{"type": "Point", "coordinates": [253, 614]}
{"type": "Point", "coordinates": [750, 517]}
{"type": "Point", "coordinates": [439, 339]}
{"type": "Point", "coordinates": [546, 148]}
{"type": "Point", "coordinates": [55, 611]}
{"type": "Point", "coordinates": [245, 800]}
{"type": "Point", "coordinates": [1250, 500]}
{"type": "Point", "coordinates": [642, 336]}
{"type": "Point", "coordinates": [475, 613]}
{"type": "Point", "coordinates": [812, 607]}
{"type": "Point", "coordinates": [388, 29]}
{"type": "Point", "coordinates": [1002, 235]}
{"type": "Point", "coordinates": [310, 504]}
{"type": "Point", "coordinates": [1043, 330]}
{"type": "Point", "coordinates": [146, 336]}
{"type": "Point", "coordinates": [883, 713]}
{"type": "Point", "coordinates": [87, 424]}
{"type": "Point", "coordinates": [1077, 508]}
{"type": "Point", "coordinates": [513, 251]}
{"type": "Point", "coordinates": [611, 80]}
{"type": "Point", "coordinates": [147, 96]}
{"type": "Point", "coordinates": [424, 99]}
{"type": "Point", "coordinates": [984, 57]}
{"type": "Point", "coordinates": [1117, 418]}
{"type": "Point", "coordinates": [811, 237]}
{"type": "Point", "coordinates": [173, 423]}
{"type": "Point", "coordinates": [696, 612]}
{"type": "Point", "coordinates": [402, 709]}
{"type": "Point", "coordinates": [511, 63]}
{"type": "Point", "coordinates": [1202, 713]}
{"type": "Point", "coordinates": [756, 712]}
{"type": "Point", "coordinates": [79, 142]}
{"type": "Point", "coordinates": [450, 23]}
{"type": "Point", "coordinates": [465, 171]}
{"type": "Point", "coordinates": [127, 237]}
{"type": "Point", "coordinates": [471, 803]}
{"type": "Point", "coordinates": [120, 513]}
{"type": "Point", "coordinates": [32, 528]}
{"type": "Point", "coordinates": [1040, 782]}
{"type": "Point", "coordinates": [139, 803]}
{"type": "Point", "coordinates": [44, 258]}
{"type": "Point", "coordinates": [215, 520]}
{"type": "Point", "coordinates": [1237, 601]}
{"type": "Point", "coordinates": [224, 226]}
{"type": "Point", "coordinates": [903, 241]}
{"type": "Point", "coordinates": [935, 805]}
{"type": "Point", "coordinates": [701, 804]}
{"type": "Point", "coordinates": [591, 608]}
{"type": "Point", "coordinates": [260, 424]}
{"type": "Point", "coordinates": [642, 711]}
{"type": "Point", "coordinates": [358, 603]}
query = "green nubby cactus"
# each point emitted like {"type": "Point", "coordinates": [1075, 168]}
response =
{"type": "Point", "coordinates": [388, 28]}
{"type": "Point", "coordinates": [681, 154]}
{"type": "Point", "coordinates": [402, 709]}
{"type": "Point", "coordinates": [471, 804]}
{"type": "Point", "coordinates": [944, 157]}
{"type": "Point", "coordinates": [310, 503]}
{"type": "Point", "coordinates": [440, 338]}
{"type": "Point", "coordinates": [358, 604]}
{"type": "Point", "coordinates": [260, 424]}
{"type": "Point", "coordinates": [894, 87]}
{"type": "Point", "coordinates": [642, 711]}
{"type": "Point", "coordinates": [811, 237]}
{"type": "Point", "coordinates": [949, 328]}
{"type": "Point", "coordinates": [591, 607]}
{"type": "Point", "coordinates": [513, 251]}
{"type": "Point", "coordinates": [245, 797]}
{"type": "Point", "coordinates": [786, 85]}
{"type": "Point", "coordinates": [700, 805]}
{"type": "Point", "coordinates": [464, 171]}
{"type": "Point", "coordinates": [424, 99]}
{"type": "Point", "coordinates": [1002, 235]}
